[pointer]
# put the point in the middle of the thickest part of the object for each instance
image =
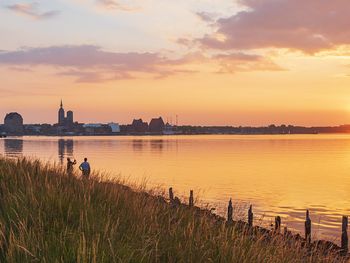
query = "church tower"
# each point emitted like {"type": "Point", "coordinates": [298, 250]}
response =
{"type": "Point", "coordinates": [61, 118]}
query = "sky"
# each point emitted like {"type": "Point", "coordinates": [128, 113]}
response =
{"type": "Point", "coordinates": [210, 62]}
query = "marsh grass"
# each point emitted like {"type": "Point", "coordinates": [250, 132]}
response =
{"type": "Point", "coordinates": [48, 216]}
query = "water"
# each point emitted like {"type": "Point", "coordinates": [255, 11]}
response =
{"type": "Point", "coordinates": [279, 174]}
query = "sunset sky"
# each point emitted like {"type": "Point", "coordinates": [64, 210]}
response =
{"type": "Point", "coordinates": [211, 62]}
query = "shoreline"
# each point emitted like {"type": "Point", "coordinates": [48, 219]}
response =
{"type": "Point", "coordinates": [248, 228]}
{"type": "Point", "coordinates": [176, 135]}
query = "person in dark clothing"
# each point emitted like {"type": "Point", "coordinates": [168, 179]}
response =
{"type": "Point", "coordinates": [70, 165]}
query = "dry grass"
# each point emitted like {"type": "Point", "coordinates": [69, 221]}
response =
{"type": "Point", "coordinates": [47, 216]}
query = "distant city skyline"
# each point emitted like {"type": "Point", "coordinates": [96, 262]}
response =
{"type": "Point", "coordinates": [224, 62]}
{"type": "Point", "coordinates": [50, 117]}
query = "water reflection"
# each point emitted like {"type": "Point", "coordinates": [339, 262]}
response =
{"type": "Point", "coordinates": [279, 175]}
{"type": "Point", "coordinates": [65, 149]}
{"type": "Point", "coordinates": [157, 146]}
{"type": "Point", "coordinates": [13, 147]}
{"type": "Point", "coordinates": [69, 147]}
{"type": "Point", "coordinates": [138, 145]}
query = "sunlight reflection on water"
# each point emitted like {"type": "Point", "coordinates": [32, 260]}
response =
{"type": "Point", "coordinates": [279, 174]}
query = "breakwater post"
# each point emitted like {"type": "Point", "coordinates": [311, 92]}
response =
{"type": "Point", "coordinates": [171, 195]}
{"type": "Point", "coordinates": [344, 236]}
{"type": "Point", "coordinates": [250, 216]}
{"type": "Point", "coordinates": [230, 212]}
{"type": "Point", "coordinates": [191, 201]}
{"type": "Point", "coordinates": [308, 227]}
{"type": "Point", "coordinates": [277, 224]}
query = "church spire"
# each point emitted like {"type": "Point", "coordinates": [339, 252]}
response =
{"type": "Point", "coordinates": [61, 117]}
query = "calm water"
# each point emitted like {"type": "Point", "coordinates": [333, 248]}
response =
{"type": "Point", "coordinates": [279, 175]}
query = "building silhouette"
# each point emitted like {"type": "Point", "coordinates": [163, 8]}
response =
{"type": "Point", "coordinates": [61, 118]}
{"type": "Point", "coordinates": [69, 118]}
{"type": "Point", "coordinates": [139, 126]}
{"type": "Point", "coordinates": [13, 124]}
{"type": "Point", "coordinates": [156, 125]}
{"type": "Point", "coordinates": [65, 121]}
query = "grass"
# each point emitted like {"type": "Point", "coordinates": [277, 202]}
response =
{"type": "Point", "coordinates": [48, 216]}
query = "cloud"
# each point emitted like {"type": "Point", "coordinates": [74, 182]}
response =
{"type": "Point", "coordinates": [95, 76]}
{"type": "Point", "coordinates": [114, 5]}
{"type": "Point", "coordinates": [229, 63]}
{"type": "Point", "coordinates": [206, 17]}
{"type": "Point", "coordinates": [241, 62]}
{"type": "Point", "coordinates": [233, 62]}
{"type": "Point", "coordinates": [31, 10]}
{"type": "Point", "coordinates": [83, 56]}
{"type": "Point", "coordinates": [88, 63]}
{"type": "Point", "coordinates": [21, 69]}
{"type": "Point", "coordinates": [309, 26]}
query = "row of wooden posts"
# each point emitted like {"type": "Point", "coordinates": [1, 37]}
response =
{"type": "Point", "coordinates": [278, 221]}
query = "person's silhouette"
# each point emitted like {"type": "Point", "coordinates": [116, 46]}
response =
{"type": "Point", "coordinates": [70, 165]}
{"type": "Point", "coordinates": [85, 168]}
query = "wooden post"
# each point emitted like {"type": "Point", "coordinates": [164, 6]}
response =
{"type": "Point", "coordinates": [344, 236]}
{"type": "Point", "coordinates": [308, 227]}
{"type": "Point", "coordinates": [250, 216]}
{"type": "Point", "coordinates": [230, 212]}
{"type": "Point", "coordinates": [191, 201]}
{"type": "Point", "coordinates": [171, 194]}
{"type": "Point", "coordinates": [278, 224]}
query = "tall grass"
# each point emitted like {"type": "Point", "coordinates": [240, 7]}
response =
{"type": "Point", "coordinates": [48, 216]}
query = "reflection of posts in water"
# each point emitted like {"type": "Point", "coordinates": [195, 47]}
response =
{"type": "Point", "coordinates": [13, 147]}
{"type": "Point", "coordinates": [65, 148]}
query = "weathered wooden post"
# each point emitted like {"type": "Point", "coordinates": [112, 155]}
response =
{"type": "Point", "coordinates": [308, 227]}
{"type": "Point", "coordinates": [171, 195]}
{"type": "Point", "coordinates": [250, 216]}
{"type": "Point", "coordinates": [344, 236]}
{"type": "Point", "coordinates": [278, 224]}
{"type": "Point", "coordinates": [230, 212]}
{"type": "Point", "coordinates": [191, 201]}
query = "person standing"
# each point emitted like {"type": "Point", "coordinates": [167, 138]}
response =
{"type": "Point", "coordinates": [70, 165]}
{"type": "Point", "coordinates": [85, 168]}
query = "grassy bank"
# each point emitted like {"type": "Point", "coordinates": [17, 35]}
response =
{"type": "Point", "coordinates": [47, 216]}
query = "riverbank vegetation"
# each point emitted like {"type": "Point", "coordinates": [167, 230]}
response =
{"type": "Point", "coordinates": [48, 216]}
